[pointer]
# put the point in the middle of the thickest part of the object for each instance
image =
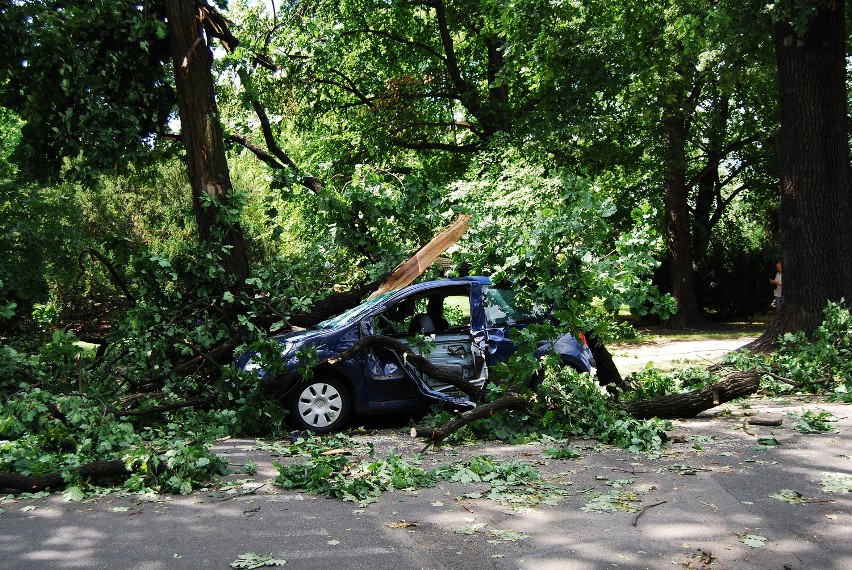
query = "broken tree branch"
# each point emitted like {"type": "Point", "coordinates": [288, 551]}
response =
{"type": "Point", "coordinates": [32, 483]}
{"type": "Point", "coordinates": [116, 276]}
{"type": "Point", "coordinates": [412, 268]}
{"type": "Point", "coordinates": [735, 385]}
{"type": "Point", "coordinates": [646, 507]}
{"type": "Point", "coordinates": [437, 435]}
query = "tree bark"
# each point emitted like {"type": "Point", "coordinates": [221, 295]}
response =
{"type": "Point", "coordinates": [815, 191]}
{"type": "Point", "coordinates": [606, 370]}
{"type": "Point", "coordinates": [203, 138]}
{"type": "Point", "coordinates": [32, 483]}
{"type": "Point", "coordinates": [498, 111]}
{"type": "Point", "coordinates": [734, 385]}
{"type": "Point", "coordinates": [682, 274]}
{"type": "Point", "coordinates": [707, 190]}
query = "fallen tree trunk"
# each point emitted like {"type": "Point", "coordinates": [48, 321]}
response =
{"type": "Point", "coordinates": [332, 305]}
{"type": "Point", "coordinates": [607, 372]}
{"type": "Point", "coordinates": [735, 385]}
{"type": "Point", "coordinates": [437, 435]}
{"type": "Point", "coordinates": [54, 481]}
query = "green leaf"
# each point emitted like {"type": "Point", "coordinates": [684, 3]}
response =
{"type": "Point", "coordinates": [472, 529]}
{"type": "Point", "coordinates": [506, 536]}
{"type": "Point", "coordinates": [563, 453]}
{"type": "Point", "coordinates": [836, 482]}
{"type": "Point", "coordinates": [614, 501]}
{"type": "Point", "coordinates": [768, 441]}
{"type": "Point", "coordinates": [251, 560]}
{"type": "Point", "coordinates": [73, 493]}
{"type": "Point", "coordinates": [752, 540]}
{"type": "Point", "coordinates": [788, 496]}
{"type": "Point", "coordinates": [815, 423]}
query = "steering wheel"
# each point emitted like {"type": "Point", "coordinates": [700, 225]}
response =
{"type": "Point", "coordinates": [388, 326]}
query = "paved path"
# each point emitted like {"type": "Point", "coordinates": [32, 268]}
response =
{"type": "Point", "coordinates": [630, 357]}
{"type": "Point", "coordinates": [713, 485]}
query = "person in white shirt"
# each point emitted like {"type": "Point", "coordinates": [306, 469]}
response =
{"type": "Point", "coordinates": [777, 283]}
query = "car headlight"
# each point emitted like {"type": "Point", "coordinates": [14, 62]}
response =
{"type": "Point", "coordinates": [251, 366]}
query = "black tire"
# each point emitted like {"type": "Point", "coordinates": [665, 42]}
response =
{"type": "Point", "coordinates": [320, 405]}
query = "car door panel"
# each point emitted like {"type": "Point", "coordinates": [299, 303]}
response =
{"type": "Point", "coordinates": [459, 350]}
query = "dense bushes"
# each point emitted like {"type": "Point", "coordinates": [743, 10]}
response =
{"type": "Point", "coordinates": [40, 239]}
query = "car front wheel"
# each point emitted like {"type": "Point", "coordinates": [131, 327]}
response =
{"type": "Point", "coordinates": [321, 405]}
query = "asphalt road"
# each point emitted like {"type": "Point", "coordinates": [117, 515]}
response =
{"type": "Point", "coordinates": [705, 502]}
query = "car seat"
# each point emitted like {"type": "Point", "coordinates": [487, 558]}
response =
{"type": "Point", "coordinates": [421, 323]}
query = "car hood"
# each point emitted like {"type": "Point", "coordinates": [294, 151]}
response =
{"type": "Point", "coordinates": [301, 337]}
{"type": "Point", "coordinates": [291, 342]}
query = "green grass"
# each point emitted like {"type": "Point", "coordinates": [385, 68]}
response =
{"type": "Point", "coordinates": [708, 330]}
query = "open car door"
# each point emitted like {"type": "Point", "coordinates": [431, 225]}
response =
{"type": "Point", "coordinates": [436, 325]}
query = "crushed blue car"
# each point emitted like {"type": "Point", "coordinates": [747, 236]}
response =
{"type": "Point", "coordinates": [465, 322]}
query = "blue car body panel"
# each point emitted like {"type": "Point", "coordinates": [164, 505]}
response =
{"type": "Point", "coordinates": [380, 381]}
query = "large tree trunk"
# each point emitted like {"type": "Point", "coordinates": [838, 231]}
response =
{"type": "Point", "coordinates": [816, 197]}
{"type": "Point", "coordinates": [498, 110]}
{"type": "Point", "coordinates": [707, 203]}
{"type": "Point", "coordinates": [202, 134]}
{"type": "Point", "coordinates": [677, 223]}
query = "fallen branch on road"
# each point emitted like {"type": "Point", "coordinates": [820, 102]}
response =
{"type": "Point", "coordinates": [437, 435]}
{"type": "Point", "coordinates": [31, 483]}
{"type": "Point", "coordinates": [645, 508]}
{"type": "Point", "coordinates": [735, 385]}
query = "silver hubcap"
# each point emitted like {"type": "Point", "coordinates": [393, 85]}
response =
{"type": "Point", "coordinates": [320, 405]}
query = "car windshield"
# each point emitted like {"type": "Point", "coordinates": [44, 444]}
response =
{"type": "Point", "coordinates": [352, 314]}
{"type": "Point", "coordinates": [501, 308]}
